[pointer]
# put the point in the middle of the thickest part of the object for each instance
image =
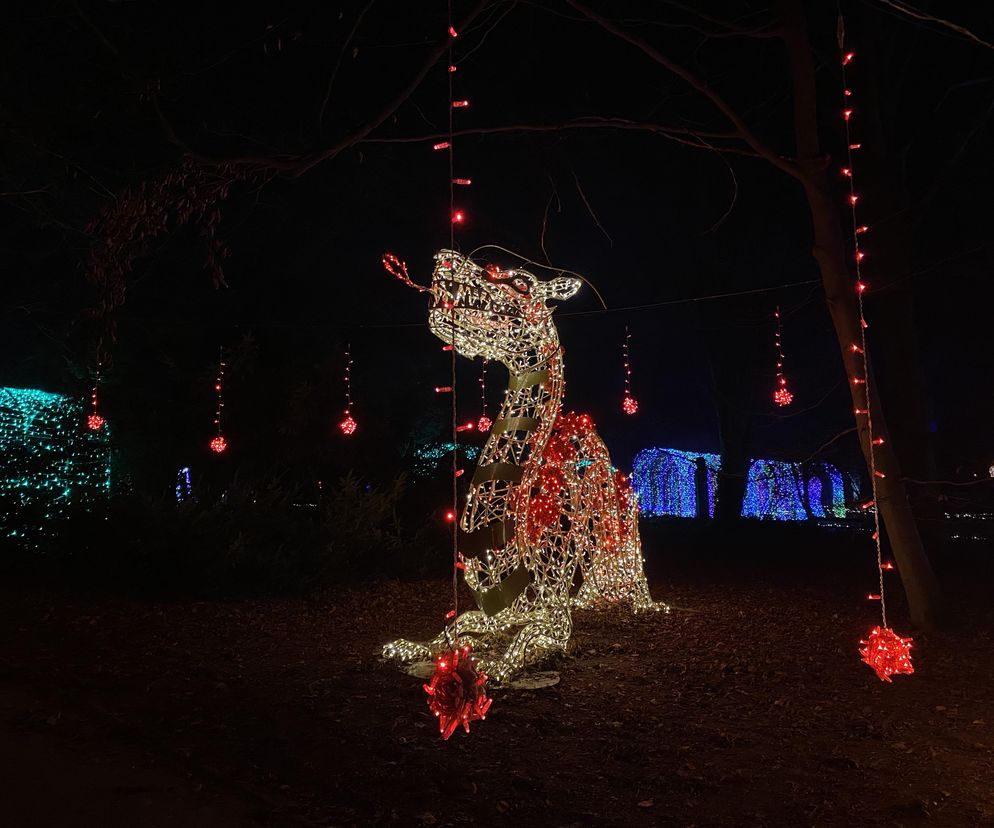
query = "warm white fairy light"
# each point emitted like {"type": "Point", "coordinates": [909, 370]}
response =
{"type": "Point", "coordinates": [544, 503]}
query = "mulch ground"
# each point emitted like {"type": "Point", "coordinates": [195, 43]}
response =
{"type": "Point", "coordinates": [747, 705]}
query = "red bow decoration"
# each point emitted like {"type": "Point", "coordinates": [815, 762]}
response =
{"type": "Point", "coordinates": [887, 653]}
{"type": "Point", "coordinates": [456, 692]}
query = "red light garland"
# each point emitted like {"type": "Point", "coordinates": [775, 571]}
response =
{"type": "Point", "coordinates": [628, 403]}
{"type": "Point", "coordinates": [348, 425]}
{"type": "Point", "coordinates": [884, 651]}
{"type": "Point", "coordinates": [218, 444]}
{"type": "Point", "coordinates": [781, 395]}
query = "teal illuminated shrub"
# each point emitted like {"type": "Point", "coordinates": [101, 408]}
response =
{"type": "Point", "coordinates": [49, 461]}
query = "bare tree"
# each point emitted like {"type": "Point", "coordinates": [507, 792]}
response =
{"type": "Point", "coordinates": [809, 167]}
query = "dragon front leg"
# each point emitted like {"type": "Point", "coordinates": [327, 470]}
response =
{"type": "Point", "coordinates": [547, 630]}
{"type": "Point", "coordinates": [472, 627]}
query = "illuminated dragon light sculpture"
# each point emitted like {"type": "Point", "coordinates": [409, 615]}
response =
{"type": "Point", "coordinates": [549, 525]}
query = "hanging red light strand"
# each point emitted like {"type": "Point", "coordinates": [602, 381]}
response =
{"type": "Point", "coordinates": [348, 424]}
{"type": "Point", "coordinates": [456, 693]}
{"type": "Point", "coordinates": [95, 420]}
{"type": "Point", "coordinates": [883, 650]}
{"type": "Point", "coordinates": [484, 423]}
{"type": "Point", "coordinates": [781, 394]}
{"type": "Point", "coordinates": [218, 444]}
{"type": "Point", "coordinates": [628, 403]}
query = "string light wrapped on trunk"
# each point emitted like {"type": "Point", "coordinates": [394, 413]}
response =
{"type": "Point", "coordinates": [883, 650]}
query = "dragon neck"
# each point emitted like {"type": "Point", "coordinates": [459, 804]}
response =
{"type": "Point", "coordinates": [527, 414]}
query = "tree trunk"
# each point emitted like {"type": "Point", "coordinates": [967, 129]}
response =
{"type": "Point", "coordinates": [903, 390]}
{"type": "Point", "coordinates": [830, 252]}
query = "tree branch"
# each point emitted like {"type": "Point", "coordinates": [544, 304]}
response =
{"type": "Point", "coordinates": [297, 165]}
{"type": "Point", "coordinates": [742, 131]}
{"type": "Point", "coordinates": [338, 63]}
{"type": "Point", "coordinates": [682, 135]}
{"type": "Point", "coordinates": [918, 14]}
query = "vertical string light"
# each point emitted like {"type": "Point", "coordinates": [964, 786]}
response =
{"type": "Point", "coordinates": [95, 420]}
{"type": "Point", "coordinates": [628, 404]}
{"type": "Point", "coordinates": [456, 692]}
{"type": "Point", "coordinates": [883, 650]}
{"type": "Point", "coordinates": [456, 217]}
{"type": "Point", "coordinates": [348, 424]}
{"type": "Point", "coordinates": [218, 444]}
{"type": "Point", "coordinates": [484, 423]}
{"type": "Point", "coordinates": [781, 394]}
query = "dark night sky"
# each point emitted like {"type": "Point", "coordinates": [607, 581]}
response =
{"type": "Point", "coordinates": [304, 273]}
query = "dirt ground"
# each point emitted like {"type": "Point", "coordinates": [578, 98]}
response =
{"type": "Point", "coordinates": [747, 705]}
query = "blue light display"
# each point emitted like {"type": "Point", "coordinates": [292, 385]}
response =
{"type": "Point", "coordinates": [184, 487]}
{"type": "Point", "coordinates": [49, 460]}
{"type": "Point", "coordinates": [677, 483]}
{"type": "Point", "coordinates": [666, 481]}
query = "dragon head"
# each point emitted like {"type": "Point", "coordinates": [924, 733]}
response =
{"type": "Point", "coordinates": [497, 314]}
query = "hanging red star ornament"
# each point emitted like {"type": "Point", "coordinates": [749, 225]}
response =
{"type": "Point", "coordinates": [887, 653]}
{"type": "Point", "coordinates": [630, 405]}
{"type": "Point", "coordinates": [456, 693]}
{"type": "Point", "coordinates": [348, 425]}
{"type": "Point", "coordinates": [782, 396]}
{"type": "Point", "coordinates": [95, 422]}
{"type": "Point", "coordinates": [219, 445]}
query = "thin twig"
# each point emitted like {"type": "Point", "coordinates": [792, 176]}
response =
{"type": "Point", "coordinates": [590, 209]}
{"type": "Point", "coordinates": [338, 63]}
{"type": "Point", "coordinates": [742, 130]}
{"type": "Point", "coordinates": [918, 14]}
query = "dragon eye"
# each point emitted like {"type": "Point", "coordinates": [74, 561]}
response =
{"type": "Point", "coordinates": [521, 285]}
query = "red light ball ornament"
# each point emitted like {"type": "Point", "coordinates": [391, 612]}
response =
{"type": "Point", "coordinates": [887, 653]}
{"type": "Point", "coordinates": [456, 692]}
{"type": "Point", "coordinates": [483, 424]}
{"type": "Point", "coordinates": [95, 422]}
{"type": "Point", "coordinates": [348, 425]}
{"type": "Point", "coordinates": [219, 445]}
{"type": "Point", "coordinates": [782, 397]}
{"type": "Point", "coordinates": [630, 405]}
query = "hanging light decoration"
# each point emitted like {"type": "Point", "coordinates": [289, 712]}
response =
{"type": "Point", "coordinates": [628, 404]}
{"type": "Point", "coordinates": [781, 394]}
{"type": "Point", "coordinates": [456, 693]}
{"type": "Point", "coordinates": [348, 424]}
{"type": "Point", "coordinates": [484, 423]}
{"type": "Point", "coordinates": [94, 420]}
{"type": "Point", "coordinates": [218, 444]}
{"type": "Point", "coordinates": [884, 651]}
